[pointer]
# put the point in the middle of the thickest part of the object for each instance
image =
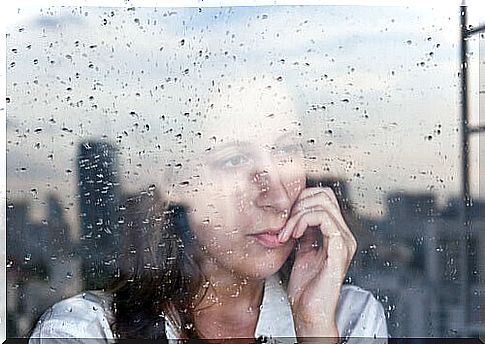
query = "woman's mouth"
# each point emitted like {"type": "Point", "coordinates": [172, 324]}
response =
{"type": "Point", "coordinates": [268, 239]}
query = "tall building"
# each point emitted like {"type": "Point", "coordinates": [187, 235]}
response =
{"type": "Point", "coordinates": [17, 220]}
{"type": "Point", "coordinates": [99, 196]}
{"type": "Point", "coordinates": [59, 230]}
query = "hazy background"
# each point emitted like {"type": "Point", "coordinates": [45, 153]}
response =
{"type": "Point", "coordinates": [387, 76]}
{"type": "Point", "coordinates": [379, 91]}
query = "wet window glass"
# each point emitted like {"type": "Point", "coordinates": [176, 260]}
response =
{"type": "Point", "coordinates": [209, 172]}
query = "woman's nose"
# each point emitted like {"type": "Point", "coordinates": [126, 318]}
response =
{"type": "Point", "coordinates": [272, 192]}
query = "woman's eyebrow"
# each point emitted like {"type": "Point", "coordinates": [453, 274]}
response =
{"type": "Point", "coordinates": [222, 146]}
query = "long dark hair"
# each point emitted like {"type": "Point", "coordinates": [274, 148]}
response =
{"type": "Point", "coordinates": [158, 277]}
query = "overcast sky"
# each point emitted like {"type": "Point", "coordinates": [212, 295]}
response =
{"type": "Point", "coordinates": [387, 76]}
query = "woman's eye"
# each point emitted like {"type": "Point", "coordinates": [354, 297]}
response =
{"type": "Point", "coordinates": [235, 161]}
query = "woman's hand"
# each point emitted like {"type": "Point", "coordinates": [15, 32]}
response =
{"type": "Point", "coordinates": [320, 266]}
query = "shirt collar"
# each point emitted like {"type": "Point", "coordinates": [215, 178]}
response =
{"type": "Point", "coordinates": [275, 317]}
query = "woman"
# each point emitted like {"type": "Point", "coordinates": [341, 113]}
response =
{"type": "Point", "coordinates": [252, 252]}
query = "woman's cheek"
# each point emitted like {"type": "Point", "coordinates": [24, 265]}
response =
{"type": "Point", "coordinates": [242, 198]}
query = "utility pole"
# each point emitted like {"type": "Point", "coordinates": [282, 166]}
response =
{"type": "Point", "coordinates": [466, 131]}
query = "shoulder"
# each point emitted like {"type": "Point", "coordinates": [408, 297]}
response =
{"type": "Point", "coordinates": [85, 315]}
{"type": "Point", "coordinates": [360, 314]}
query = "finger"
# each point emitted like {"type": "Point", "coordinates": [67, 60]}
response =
{"type": "Point", "coordinates": [315, 218]}
{"type": "Point", "coordinates": [328, 225]}
{"type": "Point", "coordinates": [335, 210]}
{"type": "Point", "coordinates": [313, 191]}
{"type": "Point", "coordinates": [331, 194]}
{"type": "Point", "coordinates": [335, 252]}
{"type": "Point", "coordinates": [295, 227]}
{"type": "Point", "coordinates": [317, 198]}
{"type": "Point", "coordinates": [289, 227]}
{"type": "Point", "coordinates": [318, 201]}
{"type": "Point", "coordinates": [329, 228]}
{"type": "Point", "coordinates": [321, 195]}
{"type": "Point", "coordinates": [338, 255]}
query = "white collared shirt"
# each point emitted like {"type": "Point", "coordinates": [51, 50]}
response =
{"type": "Point", "coordinates": [360, 317]}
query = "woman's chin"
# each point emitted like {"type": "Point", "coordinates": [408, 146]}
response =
{"type": "Point", "coordinates": [265, 268]}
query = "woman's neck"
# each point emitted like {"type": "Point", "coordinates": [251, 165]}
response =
{"type": "Point", "coordinates": [229, 304]}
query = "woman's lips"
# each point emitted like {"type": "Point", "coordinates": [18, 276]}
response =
{"type": "Point", "coordinates": [268, 239]}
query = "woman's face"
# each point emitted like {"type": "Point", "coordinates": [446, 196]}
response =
{"type": "Point", "coordinates": [246, 180]}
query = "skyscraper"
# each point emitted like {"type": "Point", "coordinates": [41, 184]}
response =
{"type": "Point", "coordinates": [59, 230]}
